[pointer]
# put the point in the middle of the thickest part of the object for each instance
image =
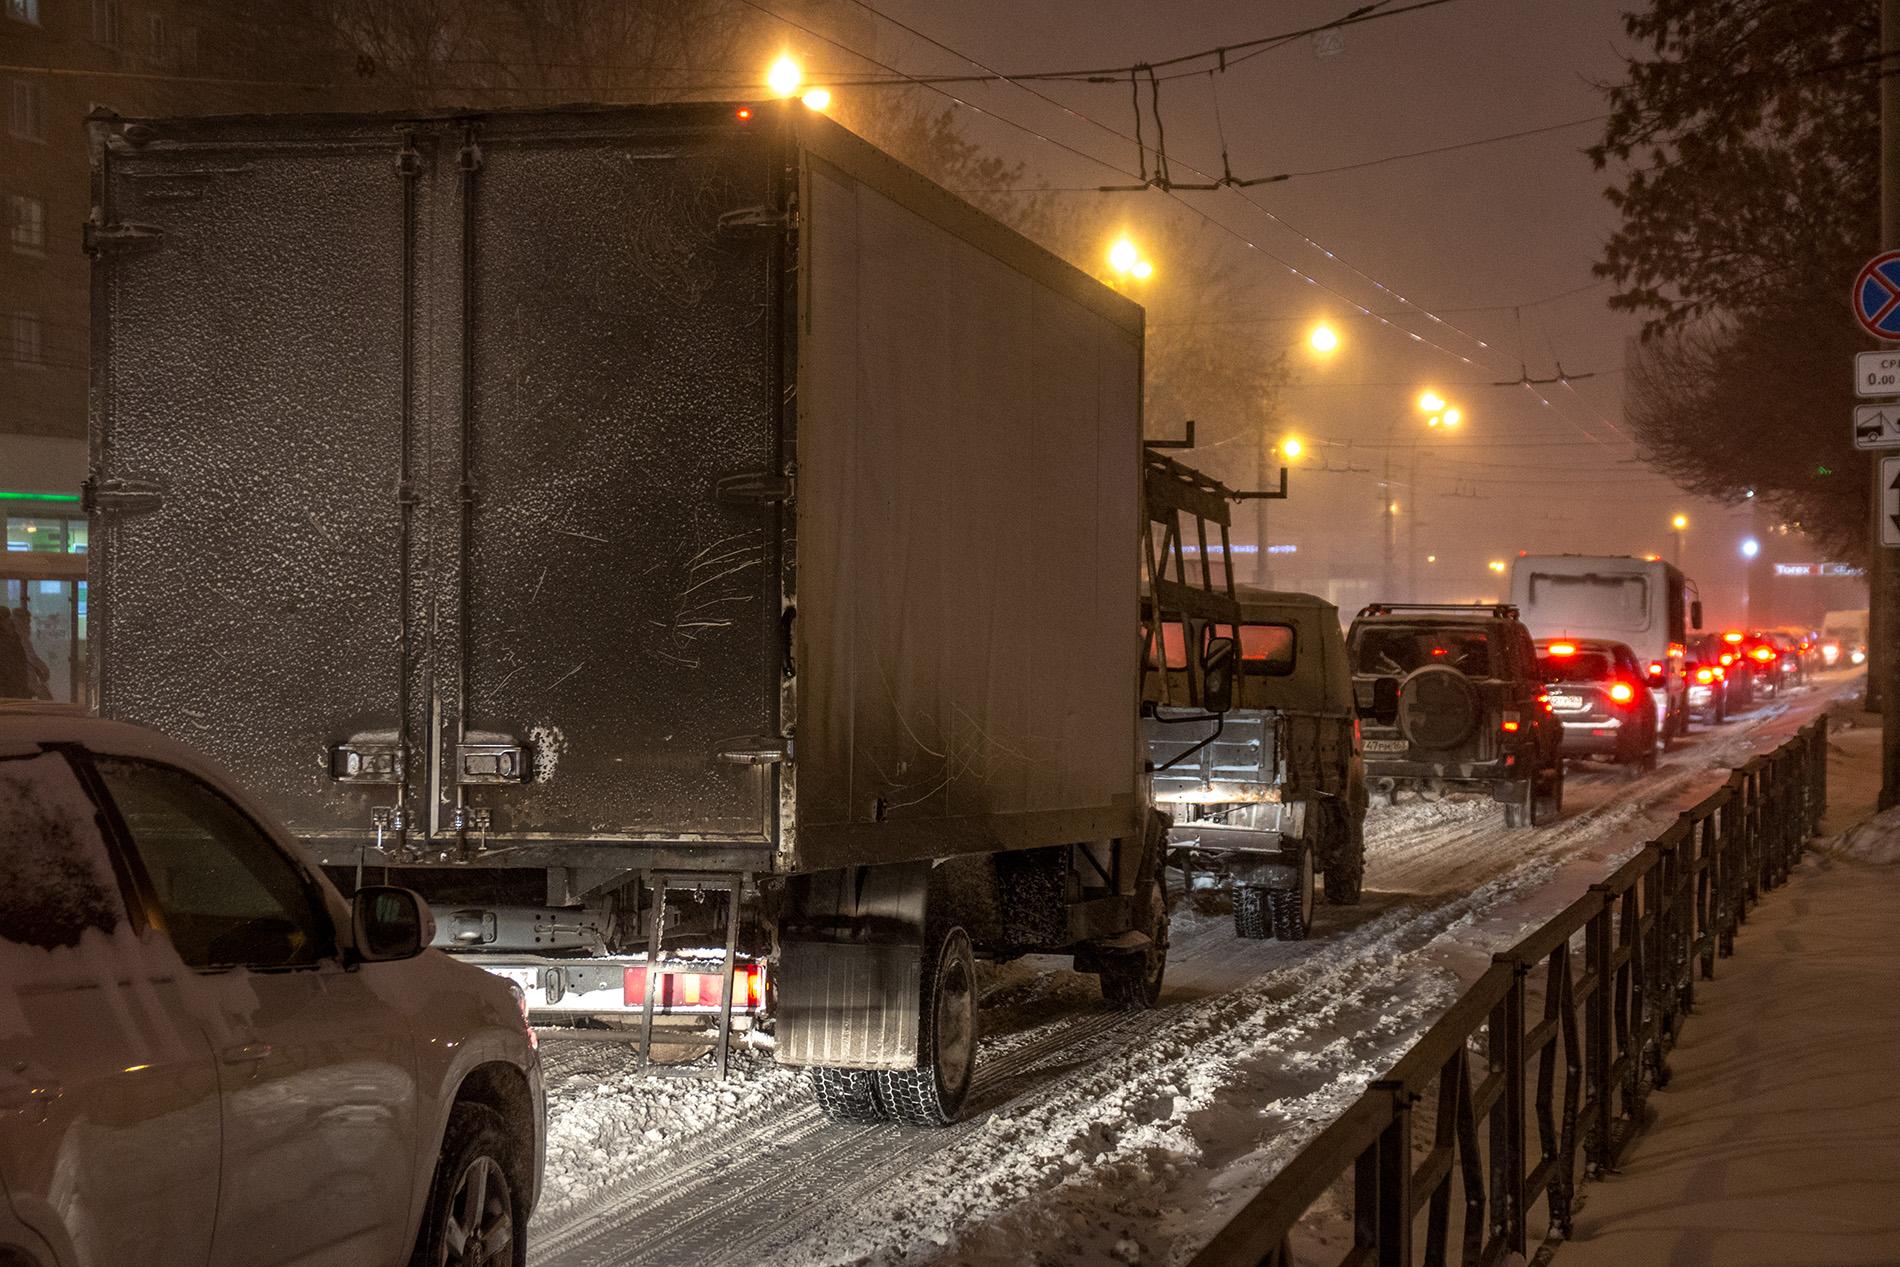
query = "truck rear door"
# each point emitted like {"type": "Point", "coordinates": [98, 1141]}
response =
{"type": "Point", "coordinates": [434, 467]}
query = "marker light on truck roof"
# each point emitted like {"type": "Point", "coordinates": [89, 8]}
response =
{"type": "Point", "coordinates": [1731, 637]}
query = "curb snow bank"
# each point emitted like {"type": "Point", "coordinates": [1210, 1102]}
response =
{"type": "Point", "coordinates": [1876, 839]}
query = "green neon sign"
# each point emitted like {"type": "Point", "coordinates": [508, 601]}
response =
{"type": "Point", "coordinates": [7, 495]}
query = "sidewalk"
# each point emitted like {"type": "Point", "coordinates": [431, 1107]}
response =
{"type": "Point", "coordinates": [1778, 1139]}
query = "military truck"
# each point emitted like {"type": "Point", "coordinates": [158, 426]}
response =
{"type": "Point", "coordinates": [691, 549]}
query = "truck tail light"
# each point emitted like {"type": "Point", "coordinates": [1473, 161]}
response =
{"type": "Point", "coordinates": [1622, 692]}
{"type": "Point", "coordinates": [1763, 654]}
{"type": "Point", "coordinates": [689, 990]}
{"type": "Point", "coordinates": [1655, 670]}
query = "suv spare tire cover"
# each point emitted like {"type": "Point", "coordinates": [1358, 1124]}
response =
{"type": "Point", "coordinates": [1438, 707]}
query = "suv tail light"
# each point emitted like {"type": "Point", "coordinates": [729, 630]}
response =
{"type": "Point", "coordinates": [1622, 692]}
{"type": "Point", "coordinates": [1704, 677]}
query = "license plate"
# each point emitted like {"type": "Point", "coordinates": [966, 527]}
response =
{"type": "Point", "coordinates": [1385, 745]}
{"type": "Point", "coordinates": [1566, 703]}
{"type": "Point", "coordinates": [526, 978]}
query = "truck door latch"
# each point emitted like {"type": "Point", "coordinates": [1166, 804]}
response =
{"type": "Point", "coordinates": [482, 757]}
{"type": "Point", "coordinates": [369, 757]}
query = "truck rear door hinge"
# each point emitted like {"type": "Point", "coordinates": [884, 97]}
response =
{"type": "Point", "coordinates": [752, 488]}
{"type": "Point", "coordinates": [120, 497]}
{"type": "Point", "coordinates": [756, 750]}
{"type": "Point", "coordinates": [743, 218]}
{"type": "Point", "coordinates": [371, 757]}
{"type": "Point", "coordinates": [101, 239]}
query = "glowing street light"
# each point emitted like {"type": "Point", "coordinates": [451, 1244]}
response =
{"type": "Point", "coordinates": [1123, 256]}
{"type": "Point", "coordinates": [784, 76]}
{"type": "Point", "coordinates": [1453, 417]}
{"type": "Point", "coordinates": [1142, 270]}
{"type": "Point", "coordinates": [1431, 402]}
{"type": "Point", "coordinates": [1750, 547]}
{"type": "Point", "coordinates": [1291, 447]}
{"type": "Point", "coordinates": [1679, 522]}
{"type": "Point", "coordinates": [1496, 565]}
{"type": "Point", "coordinates": [1323, 339]}
{"type": "Point", "coordinates": [818, 99]}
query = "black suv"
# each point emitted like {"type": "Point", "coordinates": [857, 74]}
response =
{"type": "Point", "coordinates": [1451, 700]}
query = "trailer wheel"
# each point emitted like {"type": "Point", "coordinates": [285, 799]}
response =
{"type": "Point", "coordinates": [1291, 910]}
{"type": "Point", "coordinates": [1251, 921]}
{"type": "Point", "coordinates": [847, 1095]}
{"type": "Point", "coordinates": [1131, 980]}
{"type": "Point", "coordinates": [932, 1094]}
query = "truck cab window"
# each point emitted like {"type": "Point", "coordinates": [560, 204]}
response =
{"type": "Point", "coordinates": [1267, 650]}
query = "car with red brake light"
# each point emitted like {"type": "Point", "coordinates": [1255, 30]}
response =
{"type": "Point", "coordinates": [1707, 671]}
{"type": "Point", "coordinates": [1598, 691]}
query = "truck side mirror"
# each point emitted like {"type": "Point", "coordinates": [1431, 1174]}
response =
{"type": "Point", "coordinates": [1695, 614]}
{"type": "Point", "coordinates": [1385, 701]}
{"type": "Point", "coordinates": [1217, 675]}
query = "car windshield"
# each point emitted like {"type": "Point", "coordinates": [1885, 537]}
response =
{"type": "Point", "coordinates": [1579, 666]}
{"type": "Point", "coordinates": [1385, 649]}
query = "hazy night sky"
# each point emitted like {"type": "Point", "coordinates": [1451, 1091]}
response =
{"type": "Point", "coordinates": [1493, 226]}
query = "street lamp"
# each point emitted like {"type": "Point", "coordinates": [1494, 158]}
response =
{"type": "Point", "coordinates": [1679, 523]}
{"type": "Point", "coordinates": [818, 99]}
{"type": "Point", "coordinates": [1323, 339]}
{"type": "Point", "coordinates": [1442, 417]}
{"type": "Point", "coordinates": [1291, 447]}
{"type": "Point", "coordinates": [784, 76]}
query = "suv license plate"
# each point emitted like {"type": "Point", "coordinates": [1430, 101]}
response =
{"type": "Point", "coordinates": [1566, 703]}
{"type": "Point", "coordinates": [1385, 745]}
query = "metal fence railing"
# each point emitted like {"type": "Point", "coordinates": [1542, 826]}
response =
{"type": "Point", "coordinates": [1537, 1077]}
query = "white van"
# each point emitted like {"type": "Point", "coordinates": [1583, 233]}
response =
{"type": "Point", "coordinates": [1642, 602]}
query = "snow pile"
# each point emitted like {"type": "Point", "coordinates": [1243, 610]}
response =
{"type": "Point", "coordinates": [1875, 840]}
{"type": "Point", "coordinates": [602, 1126]}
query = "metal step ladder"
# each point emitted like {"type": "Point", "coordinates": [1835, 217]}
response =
{"type": "Point", "coordinates": [659, 967]}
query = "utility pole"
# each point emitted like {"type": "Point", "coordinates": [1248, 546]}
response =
{"type": "Point", "coordinates": [1385, 572]}
{"type": "Point", "coordinates": [1263, 567]}
{"type": "Point", "coordinates": [1883, 667]}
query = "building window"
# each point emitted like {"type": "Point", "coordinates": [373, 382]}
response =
{"type": "Point", "coordinates": [105, 21]}
{"type": "Point", "coordinates": [24, 11]}
{"type": "Point", "coordinates": [26, 110]}
{"type": "Point", "coordinates": [26, 223]}
{"type": "Point", "coordinates": [23, 338]}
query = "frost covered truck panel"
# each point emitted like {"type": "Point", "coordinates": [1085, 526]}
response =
{"type": "Point", "coordinates": [619, 488]}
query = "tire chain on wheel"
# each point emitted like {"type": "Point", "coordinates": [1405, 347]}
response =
{"type": "Point", "coordinates": [848, 1095]}
{"type": "Point", "coordinates": [1251, 920]}
{"type": "Point", "coordinates": [912, 1096]}
{"type": "Point", "coordinates": [1283, 910]}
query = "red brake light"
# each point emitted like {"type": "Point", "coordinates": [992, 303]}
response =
{"type": "Point", "coordinates": [742, 113]}
{"type": "Point", "coordinates": [1721, 674]}
{"type": "Point", "coordinates": [1563, 648]}
{"type": "Point", "coordinates": [1763, 654]}
{"type": "Point", "coordinates": [1510, 727]}
{"type": "Point", "coordinates": [1622, 692]}
{"type": "Point", "coordinates": [1731, 637]}
{"type": "Point", "coordinates": [1704, 676]}
{"type": "Point", "coordinates": [1728, 658]}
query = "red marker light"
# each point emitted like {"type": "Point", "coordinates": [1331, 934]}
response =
{"type": "Point", "coordinates": [1731, 637]}
{"type": "Point", "coordinates": [1510, 727]}
{"type": "Point", "coordinates": [743, 113]}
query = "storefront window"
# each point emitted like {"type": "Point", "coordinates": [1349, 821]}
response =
{"type": "Point", "coordinates": [45, 534]}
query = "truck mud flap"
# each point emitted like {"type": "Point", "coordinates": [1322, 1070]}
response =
{"type": "Point", "coordinates": [850, 962]}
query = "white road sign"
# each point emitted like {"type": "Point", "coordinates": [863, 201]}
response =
{"type": "Point", "coordinates": [1890, 502]}
{"type": "Point", "coordinates": [1877, 426]}
{"type": "Point", "coordinates": [1877, 373]}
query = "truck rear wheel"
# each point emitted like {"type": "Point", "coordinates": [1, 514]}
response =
{"type": "Point", "coordinates": [1131, 980]}
{"type": "Point", "coordinates": [1251, 921]}
{"type": "Point", "coordinates": [932, 1094]}
{"type": "Point", "coordinates": [1291, 910]}
{"type": "Point", "coordinates": [847, 1095]}
{"type": "Point", "coordinates": [1346, 861]}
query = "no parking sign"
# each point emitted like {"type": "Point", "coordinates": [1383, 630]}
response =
{"type": "Point", "coordinates": [1877, 296]}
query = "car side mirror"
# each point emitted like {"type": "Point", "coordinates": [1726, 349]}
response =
{"type": "Point", "coordinates": [1695, 614]}
{"type": "Point", "coordinates": [1217, 675]}
{"type": "Point", "coordinates": [388, 923]}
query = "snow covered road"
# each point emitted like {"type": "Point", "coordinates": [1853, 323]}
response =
{"type": "Point", "coordinates": [1099, 1136]}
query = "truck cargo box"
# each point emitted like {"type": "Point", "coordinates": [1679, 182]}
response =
{"type": "Point", "coordinates": [684, 485]}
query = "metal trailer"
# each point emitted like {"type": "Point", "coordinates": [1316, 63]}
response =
{"type": "Point", "coordinates": [559, 507]}
{"type": "Point", "coordinates": [1645, 603]}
